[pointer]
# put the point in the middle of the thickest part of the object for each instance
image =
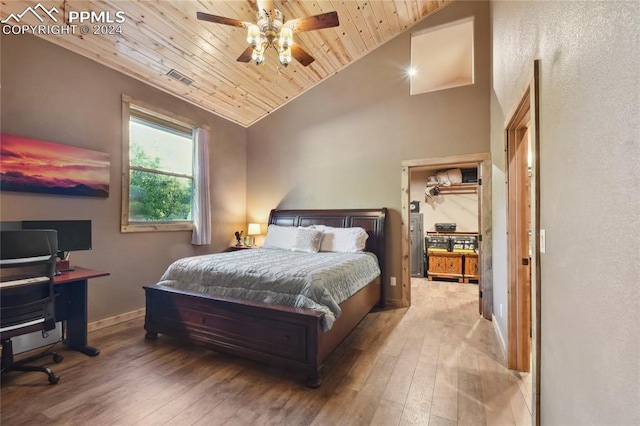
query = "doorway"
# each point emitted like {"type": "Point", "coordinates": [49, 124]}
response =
{"type": "Point", "coordinates": [482, 162]}
{"type": "Point", "coordinates": [523, 239]}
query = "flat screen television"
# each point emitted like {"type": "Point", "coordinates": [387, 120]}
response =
{"type": "Point", "coordinates": [73, 235]}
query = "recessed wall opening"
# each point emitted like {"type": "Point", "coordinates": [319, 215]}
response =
{"type": "Point", "coordinates": [442, 57]}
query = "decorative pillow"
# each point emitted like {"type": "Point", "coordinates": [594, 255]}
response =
{"type": "Point", "coordinates": [307, 240]}
{"type": "Point", "coordinates": [280, 237]}
{"type": "Point", "coordinates": [345, 240]}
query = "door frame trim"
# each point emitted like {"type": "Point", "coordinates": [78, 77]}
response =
{"type": "Point", "coordinates": [484, 194]}
{"type": "Point", "coordinates": [528, 105]}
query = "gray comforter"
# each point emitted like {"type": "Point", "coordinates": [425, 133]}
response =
{"type": "Point", "coordinates": [318, 281]}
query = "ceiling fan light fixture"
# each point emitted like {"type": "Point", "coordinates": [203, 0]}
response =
{"type": "Point", "coordinates": [285, 56]}
{"type": "Point", "coordinates": [271, 30]}
{"type": "Point", "coordinates": [253, 35]}
{"type": "Point", "coordinates": [258, 54]}
{"type": "Point", "coordinates": [286, 37]}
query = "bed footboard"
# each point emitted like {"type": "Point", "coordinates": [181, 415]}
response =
{"type": "Point", "coordinates": [265, 333]}
{"type": "Point", "coordinates": [270, 334]}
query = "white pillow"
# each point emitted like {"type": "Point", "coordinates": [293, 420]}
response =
{"type": "Point", "coordinates": [344, 240]}
{"type": "Point", "coordinates": [307, 240]}
{"type": "Point", "coordinates": [280, 237]}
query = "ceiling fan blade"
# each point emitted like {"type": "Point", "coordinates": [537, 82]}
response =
{"type": "Point", "coordinates": [246, 55]}
{"type": "Point", "coordinates": [220, 20]}
{"type": "Point", "coordinates": [300, 55]}
{"type": "Point", "coordinates": [315, 22]}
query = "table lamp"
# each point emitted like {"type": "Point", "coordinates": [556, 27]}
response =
{"type": "Point", "coordinates": [252, 231]}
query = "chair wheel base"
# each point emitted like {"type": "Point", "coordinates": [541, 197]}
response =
{"type": "Point", "coordinates": [54, 378]}
{"type": "Point", "coordinates": [9, 364]}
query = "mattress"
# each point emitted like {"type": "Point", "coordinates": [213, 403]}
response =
{"type": "Point", "coordinates": [318, 281]}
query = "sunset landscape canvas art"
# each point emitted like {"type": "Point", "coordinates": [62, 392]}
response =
{"type": "Point", "coordinates": [30, 165]}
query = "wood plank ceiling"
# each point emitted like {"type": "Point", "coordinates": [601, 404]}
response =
{"type": "Point", "coordinates": [160, 36]}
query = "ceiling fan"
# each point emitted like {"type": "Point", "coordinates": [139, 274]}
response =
{"type": "Point", "coordinates": [271, 30]}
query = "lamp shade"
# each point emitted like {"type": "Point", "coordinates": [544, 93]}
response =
{"type": "Point", "coordinates": [253, 229]}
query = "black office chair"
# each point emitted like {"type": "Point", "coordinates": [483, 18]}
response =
{"type": "Point", "coordinates": [27, 268]}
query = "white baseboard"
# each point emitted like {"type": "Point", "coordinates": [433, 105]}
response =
{"type": "Point", "coordinates": [501, 341]}
{"type": "Point", "coordinates": [106, 322]}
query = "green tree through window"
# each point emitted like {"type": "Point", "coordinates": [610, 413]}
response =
{"type": "Point", "coordinates": [154, 196]}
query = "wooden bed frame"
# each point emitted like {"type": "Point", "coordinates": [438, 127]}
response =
{"type": "Point", "coordinates": [272, 334]}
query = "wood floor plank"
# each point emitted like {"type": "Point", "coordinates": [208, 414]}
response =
{"type": "Point", "coordinates": [495, 394]}
{"type": "Point", "coordinates": [207, 379]}
{"type": "Point", "coordinates": [336, 406]}
{"type": "Point", "coordinates": [436, 363]}
{"type": "Point", "coordinates": [439, 421]}
{"type": "Point", "coordinates": [470, 399]}
{"type": "Point", "coordinates": [100, 411]}
{"type": "Point", "coordinates": [445, 392]}
{"type": "Point", "coordinates": [400, 381]}
{"type": "Point", "coordinates": [244, 387]}
{"type": "Point", "coordinates": [307, 404]}
{"type": "Point", "coordinates": [388, 413]}
{"type": "Point", "coordinates": [129, 375]}
{"type": "Point", "coordinates": [357, 376]}
{"type": "Point", "coordinates": [366, 401]}
{"type": "Point", "coordinates": [224, 390]}
{"type": "Point", "coordinates": [417, 408]}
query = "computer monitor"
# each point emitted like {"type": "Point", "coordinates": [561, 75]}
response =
{"type": "Point", "coordinates": [73, 235]}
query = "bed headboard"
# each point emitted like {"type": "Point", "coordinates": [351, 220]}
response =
{"type": "Point", "coordinates": [371, 220]}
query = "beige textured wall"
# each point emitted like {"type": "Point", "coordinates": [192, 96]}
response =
{"type": "Point", "coordinates": [589, 202]}
{"type": "Point", "coordinates": [55, 95]}
{"type": "Point", "coordinates": [340, 145]}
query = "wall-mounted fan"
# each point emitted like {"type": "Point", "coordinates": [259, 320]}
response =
{"type": "Point", "coordinates": [271, 30]}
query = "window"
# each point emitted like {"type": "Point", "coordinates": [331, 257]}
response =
{"type": "Point", "coordinates": [158, 170]}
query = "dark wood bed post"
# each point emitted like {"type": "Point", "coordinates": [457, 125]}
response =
{"type": "Point", "coordinates": [273, 334]}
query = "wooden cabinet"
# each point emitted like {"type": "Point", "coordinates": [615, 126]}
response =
{"type": "Point", "coordinates": [459, 261]}
{"type": "Point", "coordinates": [445, 265]}
{"type": "Point", "coordinates": [470, 267]}
{"type": "Point", "coordinates": [461, 266]}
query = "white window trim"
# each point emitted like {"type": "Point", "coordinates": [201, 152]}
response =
{"type": "Point", "coordinates": [125, 225]}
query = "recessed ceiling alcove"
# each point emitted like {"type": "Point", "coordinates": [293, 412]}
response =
{"type": "Point", "coordinates": [442, 57]}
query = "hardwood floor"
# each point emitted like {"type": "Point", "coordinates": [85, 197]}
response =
{"type": "Point", "coordinates": [436, 363]}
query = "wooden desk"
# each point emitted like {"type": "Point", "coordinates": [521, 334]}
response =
{"type": "Point", "coordinates": [71, 306]}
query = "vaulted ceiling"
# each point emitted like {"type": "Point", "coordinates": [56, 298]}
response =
{"type": "Point", "coordinates": [157, 37]}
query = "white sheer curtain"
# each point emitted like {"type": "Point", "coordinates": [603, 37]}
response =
{"type": "Point", "coordinates": [201, 203]}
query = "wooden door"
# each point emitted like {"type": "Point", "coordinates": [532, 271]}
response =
{"type": "Point", "coordinates": [520, 230]}
{"type": "Point", "coordinates": [519, 245]}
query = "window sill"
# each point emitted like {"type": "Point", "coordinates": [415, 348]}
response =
{"type": "Point", "coordinates": [156, 227]}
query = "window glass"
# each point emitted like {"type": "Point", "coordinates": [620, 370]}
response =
{"type": "Point", "coordinates": [159, 189]}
